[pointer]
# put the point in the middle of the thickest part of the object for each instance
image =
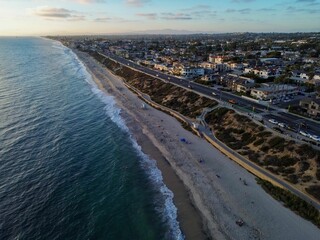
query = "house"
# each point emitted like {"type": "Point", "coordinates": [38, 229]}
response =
{"type": "Point", "coordinates": [264, 73]}
{"type": "Point", "coordinates": [299, 76]}
{"type": "Point", "coordinates": [273, 91]}
{"type": "Point", "coordinates": [161, 67]}
{"type": "Point", "coordinates": [207, 65]}
{"type": "Point", "coordinates": [208, 78]}
{"type": "Point", "coordinates": [235, 66]}
{"type": "Point", "coordinates": [221, 67]}
{"type": "Point", "coordinates": [242, 86]}
{"type": "Point", "coordinates": [190, 72]}
{"type": "Point", "coordinates": [312, 106]}
{"type": "Point", "coordinates": [216, 59]}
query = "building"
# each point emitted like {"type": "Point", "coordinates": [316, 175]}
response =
{"type": "Point", "coordinates": [264, 73]}
{"type": "Point", "coordinates": [208, 78]}
{"type": "Point", "coordinates": [216, 59]}
{"type": "Point", "coordinates": [190, 72]}
{"type": "Point", "coordinates": [161, 67]}
{"type": "Point", "coordinates": [312, 106]}
{"type": "Point", "coordinates": [299, 76]}
{"type": "Point", "coordinates": [273, 91]}
{"type": "Point", "coordinates": [221, 67]}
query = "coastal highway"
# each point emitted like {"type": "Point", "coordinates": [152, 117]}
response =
{"type": "Point", "coordinates": [224, 97]}
{"type": "Point", "coordinates": [241, 103]}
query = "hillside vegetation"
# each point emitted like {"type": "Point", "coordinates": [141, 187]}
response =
{"type": "Point", "coordinates": [294, 162]}
{"type": "Point", "coordinates": [176, 98]}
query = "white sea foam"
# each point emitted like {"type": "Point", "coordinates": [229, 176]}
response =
{"type": "Point", "coordinates": [167, 210]}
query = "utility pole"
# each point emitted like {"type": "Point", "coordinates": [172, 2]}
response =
{"type": "Point", "coordinates": [298, 130]}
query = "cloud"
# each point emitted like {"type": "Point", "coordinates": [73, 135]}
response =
{"type": "Point", "coordinates": [267, 9]}
{"type": "Point", "coordinates": [136, 3]}
{"type": "Point", "coordinates": [88, 1]}
{"type": "Point", "coordinates": [197, 7]}
{"type": "Point", "coordinates": [306, 1]}
{"type": "Point", "coordinates": [112, 19]}
{"type": "Point", "coordinates": [242, 1]}
{"type": "Point", "coordinates": [56, 13]}
{"type": "Point", "coordinates": [175, 16]}
{"type": "Point", "coordinates": [293, 10]}
{"type": "Point", "coordinates": [241, 11]}
{"type": "Point", "coordinates": [150, 16]}
{"type": "Point", "coordinates": [200, 11]}
{"type": "Point", "coordinates": [52, 12]}
{"type": "Point", "coordinates": [103, 19]}
{"type": "Point", "coordinates": [244, 11]}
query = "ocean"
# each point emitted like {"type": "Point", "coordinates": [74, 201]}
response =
{"type": "Point", "coordinates": [69, 167]}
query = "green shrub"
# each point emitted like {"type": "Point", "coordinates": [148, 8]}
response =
{"type": "Point", "coordinates": [314, 191]}
{"type": "Point", "coordinates": [277, 143]}
{"type": "Point", "coordinates": [258, 142]}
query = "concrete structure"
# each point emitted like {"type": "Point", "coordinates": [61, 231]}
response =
{"type": "Point", "coordinates": [273, 91]}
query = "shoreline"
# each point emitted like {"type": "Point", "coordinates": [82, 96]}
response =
{"type": "Point", "coordinates": [220, 203]}
{"type": "Point", "coordinates": [190, 221]}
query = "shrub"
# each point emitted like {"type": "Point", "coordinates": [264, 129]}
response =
{"type": "Point", "coordinates": [264, 134]}
{"type": "Point", "coordinates": [303, 166]}
{"type": "Point", "coordinates": [277, 143]}
{"type": "Point", "coordinates": [258, 142]}
{"type": "Point", "coordinates": [292, 178]}
{"type": "Point", "coordinates": [307, 178]}
{"type": "Point", "coordinates": [264, 148]}
{"type": "Point", "coordinates": [314, 191]}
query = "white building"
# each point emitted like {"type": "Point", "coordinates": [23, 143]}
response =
{"type": "Point", "coordinates": [189, 72]}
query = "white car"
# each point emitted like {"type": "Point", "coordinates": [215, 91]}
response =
{"type": "Point", "coordinates": [281, 125]}
{"type": "Point", "coordinates": [315, 137]}
{"type": "Point", "coordinates": [304, 133]}
{"type": "Point", "coordinates": [273, 121]}
{"type": "Point", "coordinates": [213, 93]}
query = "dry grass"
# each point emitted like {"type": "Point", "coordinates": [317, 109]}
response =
{"type": "Point", "coordinates": [294, 162]}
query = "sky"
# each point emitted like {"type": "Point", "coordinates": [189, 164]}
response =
{"type": "Point", "coordinates": [74, 17]}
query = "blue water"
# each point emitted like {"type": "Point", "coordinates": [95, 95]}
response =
{"type": "Point", "coordinates": [69, 168]}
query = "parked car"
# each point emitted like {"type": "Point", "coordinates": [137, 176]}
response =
{"type": "Point", "coordinates": [315, 137]}
{"type": "Point", "coordinates": [273, 121]}
{"type": "Point", "coordinates": [282, 125]}
{"type": "Point", "coordinates": [303, 133]}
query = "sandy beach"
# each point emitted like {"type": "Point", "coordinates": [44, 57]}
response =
{"type": "Point", "coordinates": [210, 196]}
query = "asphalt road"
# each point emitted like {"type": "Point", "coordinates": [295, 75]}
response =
{"type": "Point", "coordinates": [241, 103]}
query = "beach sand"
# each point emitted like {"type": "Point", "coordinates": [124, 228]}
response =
{"type": "Point", "coordinates": [210, 196]}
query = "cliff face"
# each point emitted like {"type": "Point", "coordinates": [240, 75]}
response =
{"type": "Point", "coordinates": [176, 98]}
{"type": "Point", "coordinates": [294, 162]}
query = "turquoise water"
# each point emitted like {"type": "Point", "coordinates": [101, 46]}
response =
{"type": "Point", "coordinates": [69, 168]}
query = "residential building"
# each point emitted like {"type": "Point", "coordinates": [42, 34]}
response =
{"type": "Point", "coordinates": [189, 72]}
{"type": "Point", "coordinates": [273, 91]}
{"type": "Point", "coordinates": [312, 106]}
